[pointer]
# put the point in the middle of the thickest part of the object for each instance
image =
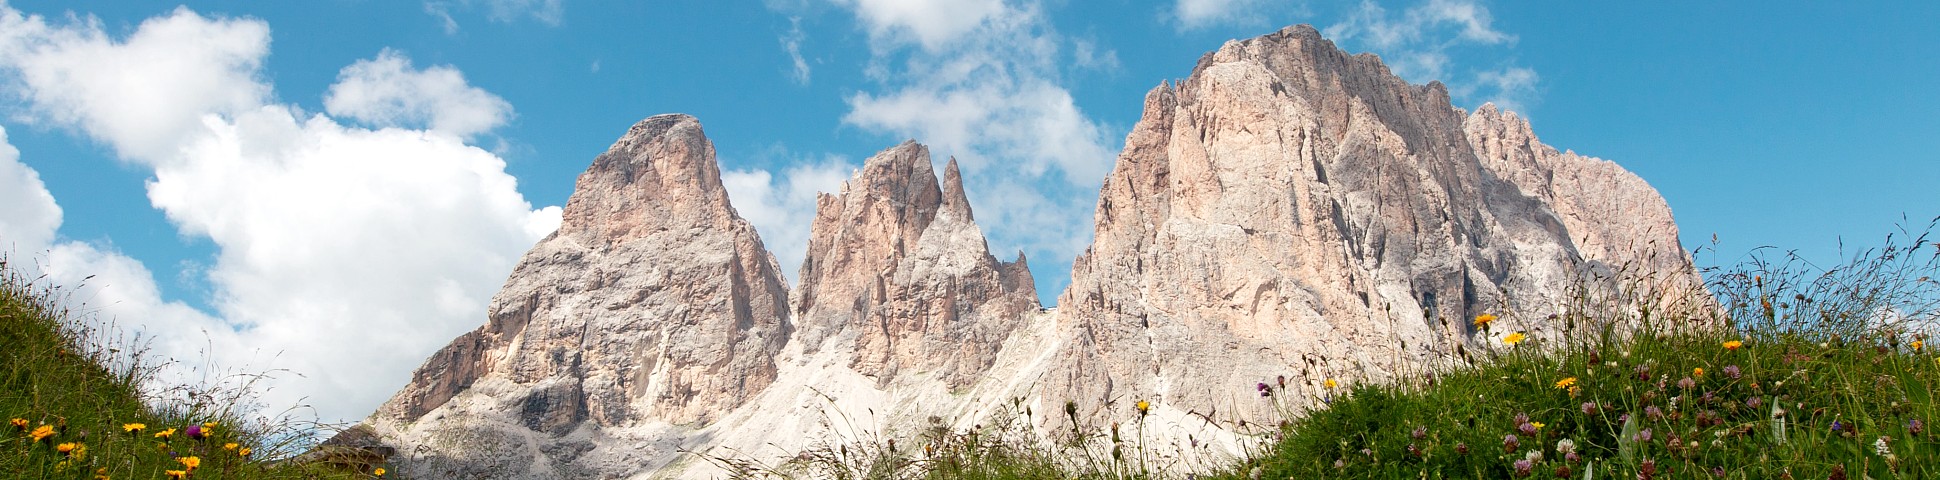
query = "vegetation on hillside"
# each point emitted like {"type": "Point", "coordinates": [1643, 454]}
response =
{"type": "Point", "coordinates": [82, 402]}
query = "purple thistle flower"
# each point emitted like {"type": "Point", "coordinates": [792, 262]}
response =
{"type": "Point", "coordinates": [194, 431]}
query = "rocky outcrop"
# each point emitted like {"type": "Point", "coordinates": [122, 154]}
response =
{"type": "Point", "coordinates": [654, 302]}
{"type": "Point", "coordinates": [897, 272]}
{"type": "Point", "coordinates": [1290, 209]}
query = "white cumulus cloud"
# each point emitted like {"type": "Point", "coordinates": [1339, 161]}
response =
{"type": "Point", "coordinates": [345, 255]}
{"type": "Point", "coordinates": [29, 215]}
{"type": "Point", "coordinates": [781, 207]}
{"type": "Point", "coordinates": [929, 23]}
{"type": "Point", "coordinates": [387, 92]}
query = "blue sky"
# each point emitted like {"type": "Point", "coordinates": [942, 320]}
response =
{"type": "Point", "coordinates": [307, 185]}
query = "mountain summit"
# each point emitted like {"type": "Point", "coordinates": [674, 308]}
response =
{"type": "Point", "coordinates": [1286, 213]}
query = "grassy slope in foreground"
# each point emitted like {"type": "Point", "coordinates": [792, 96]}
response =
{"type": "Point", "coordinates": [71, 417]}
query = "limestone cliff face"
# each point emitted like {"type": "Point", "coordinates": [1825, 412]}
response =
{"type": "Point", "coordinates": [1290, 209]}
{"type": "Point", "coordinates": [897, 272]}
{"type": "Point", "coordinates": [654, 302]}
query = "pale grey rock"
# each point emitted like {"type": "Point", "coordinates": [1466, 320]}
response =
{"type": "Point", "coordinates": [898, 273]}
{"type": "Point", "coordinates": [654, 302]}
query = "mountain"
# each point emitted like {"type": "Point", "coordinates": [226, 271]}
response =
{"type": "Point", "coordinates": [1287, 214]}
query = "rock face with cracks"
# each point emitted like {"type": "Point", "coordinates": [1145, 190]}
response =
{"type": "Point", "coordinates": [1287, 214]}
{"type": "Point", "coordinates": [898, 271]}
{"type": "Point", "coordinates": [653, 302]}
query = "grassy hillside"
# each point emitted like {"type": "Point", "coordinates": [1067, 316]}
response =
{"type": "Point", "coordinates": [72, 398]}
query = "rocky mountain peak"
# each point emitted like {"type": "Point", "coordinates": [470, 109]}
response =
{"type": "Point", "coordinates": [654, 304]}
{"type": "Point", "coordinates": [898, 271]}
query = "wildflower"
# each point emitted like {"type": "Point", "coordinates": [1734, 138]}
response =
{"type": "Point", "coordinates": [244, 452]}
{"type": "Point", "coordinates": [42, 432]}
{"type": "Point", "coordinates": [1265, 391]}
{"type": "Point", "coordinates": [1732, 371]}
{"type": "Point", "coordinates": [20, 423]}
{"type": "Point", "coordinates": [1330, 383]}
{"type": "Point", "coordinates": [1653, 413]}
{"type": "Point", "coordinates": [1566, 383]}
{"type": "Point", "coordinates": [1536, 425]}
{"type": "Point", "coordinates": [1510, 443]}
{"type": "Point", "coordinates": [1143, 407]}
{"type": "Point", "coordinates": [1879, 446]}
{"type": "Point", "coordinates": [1461, 448]}
{"type": "Point", "coordinates": [191, 462]}
{"type": "Point", "coordinates": [1565, 446]}
{"type": "Point", "coordinates": [379, 472]}
{"type": "Point", "coordinates": [165, 434]}
{"type": "Point", "coordinates": [67, 448]}
{"type": "Point", "coordinates": [1422, 432]}
{"type": "Point", "coordinates": [178, 474]}
{"type": "Point", "coordinates": [1917, 345]}
{"type": "Point", "coordinates": [1573, 391]}
{"type": "Point", "coordinates": [1915, 427]}
{"type": "Point", "coordinates": [1643, 436]}
{"type": "Point", "coordinates": [133, 427]}
{"type": "Point", "coordinates": [1514, 338]}
{"type": "Point", "coordinates": [1483, 320]}
{"type": "Point", "coordinates": [194, 432]}
{"type": "Point", "coordinates": [1588, 408]}
{"type": "Point", "coordinates": [1697, 372]}
{"type": "Point", "coordinates": [1523, 468]}
{"type": "Point", "coordinates": [1687, 383]}
{"type": "Point", "coordinates": [1754, 402]}
{"type": "Point", "coordinates": [1734, 345]}
{"type": "Point", "coordinates": [101, 473]}
{"type": "Point", "coordinates": [209, 425]}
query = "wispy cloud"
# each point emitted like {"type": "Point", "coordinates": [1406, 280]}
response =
{"type": "Point", "coordinates": [792, 42]}
{"type": "Point", "coordinates": [549, 12]}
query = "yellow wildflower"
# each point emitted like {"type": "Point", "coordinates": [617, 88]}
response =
{"type": "Point", "coordinates": [101, 473]}
{"type": "Point", "coordinates": [1514, 338]}
{"type": "Point", "coordinates": [1483, 320]}
{"type": "Point", "coordinates": [1697, 372]}
{"type": "Point", "coordinates": [165, 434]}
{"type": "Point", "coordinates": [1330, 383]}
{"type": "Point", "coordinates": [66, 448]}
{"type": "Point", "coordinates": [244, 451]}
{"type": "Point", "coordinates": [177, 473]}
{"type": "Point", "coordinates": [20, 423]}
{"type": "Point", "coordinates": [378, 472]}
{"type": "Point", "coordinates": [190, 462]}
{"type": "Point", "coordinates": [133, 427]}
{"type": "Point", "coordinates": [42, 432]}
{"type": "Point", "coordinates": [231, 446]}
{"type": "Point", "coordinates": [1574, 390]}
{"type": "Point", "coordinates": [1143, 407]}
{"type": "Point", "coordinates": [1918, 344]}
{"type": "Point", "coordinates": [1566, 383]}
{"type": "Point", "coordinates": [1538, 425]}
{"type": "Point", "coordinates": [1733, 345]}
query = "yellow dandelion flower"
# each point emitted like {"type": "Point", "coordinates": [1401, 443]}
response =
{"type": "Point", "coordinates": [190, 462]}
{"type": "Point", "coordinates": [378, 472]}
{"type": "Point", "coordinates": [101, 473]}
{"type": "Point", "coordinates": [1143, 407]}
{"type": "Point", "coordinates": [1514, 338]}
{"type": "Point", "coordinates": [66, 448]}
{"type": "Point", "coordinates": [1697, 372]}
{"type": "Point", "coordinates": [1484, 320]}
{"type": "Point", "coordinates": [244, 451]}
{"type": "Point", "coordinates": [42, 432]}
{"type": "Point", "coordinates": [231, 446]}
{"type": "Point", "coordinates": [1574, 390]}
{"type": "Point", "coordinates": [133, 427]}
{"type": "Point", "coordinates": [20, 423]}
{"type": "Point", "coordinates": [1918, 344]}
{"type": "Point", "coordinates": [1330, 383]}
{"type": "Point", "coordinates": [177, 474]}
{"type": "Point", "coordinates": [165, 434]}
{"type": "Point", "coordinates": [1566, 383]}
{"type": "Point", "coordinates": [1733, 345]}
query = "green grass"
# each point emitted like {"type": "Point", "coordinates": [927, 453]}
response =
{"type": "Point", "coordinates": [81, 385]}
